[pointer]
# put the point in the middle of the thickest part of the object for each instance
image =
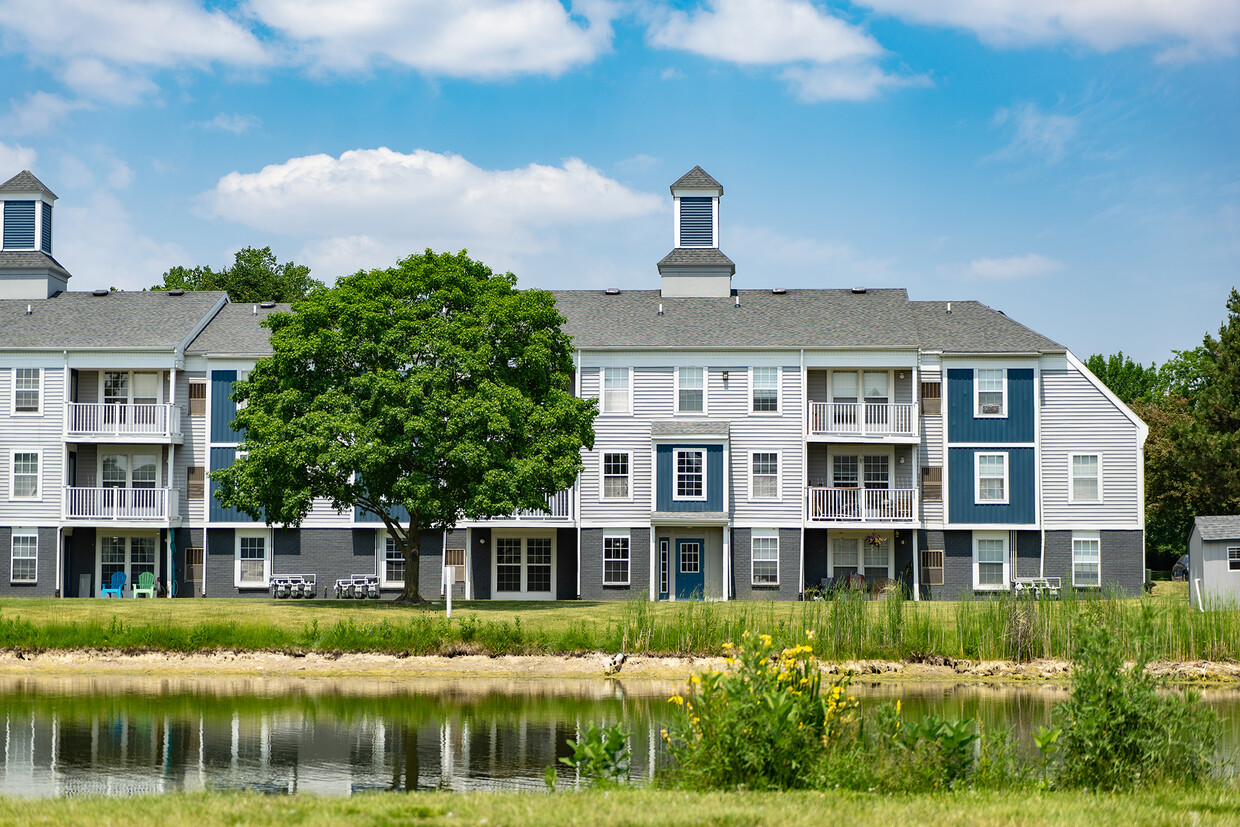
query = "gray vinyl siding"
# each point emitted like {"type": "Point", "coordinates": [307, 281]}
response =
{"type": "Point", "coordinates": [45, 564]}
{"type": "Point", "coordinates": [789, 587]}
{"type": "Point", "coordinates": [931, 454]}
{"type": "Point", "coordinates": [592, 587]}
{"type": "Point", "coordinates": [192, 450]}
{"type": "Point", "coordinates": [43, 433]}
{"type": "Point", "coordinates": [763, 432]}
{"type": "Point", "coordinates": [1077, 418]}
{"type": "Point", "coordinates": [623, 432]}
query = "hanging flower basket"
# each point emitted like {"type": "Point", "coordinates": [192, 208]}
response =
{"type": "Point", "coordinates": [875, 540]}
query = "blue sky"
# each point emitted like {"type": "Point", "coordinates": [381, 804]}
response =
{"type": "Point", "coordinates": [1073, 163]}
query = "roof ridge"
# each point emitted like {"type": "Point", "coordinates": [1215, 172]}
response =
{"type": "Point", "coordinates": [25, 181]}
{"type": "Point", "coordinates": [698, 179]}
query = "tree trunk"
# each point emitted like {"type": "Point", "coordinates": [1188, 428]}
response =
{"type": "Point", "coordinates": [412, 551]}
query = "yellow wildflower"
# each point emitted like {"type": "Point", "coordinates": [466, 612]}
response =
{"type": "Point", "coordinates": [695, 680]}
{"type": "Point", "coordinates": [809, 635]}
{"type": "Point", "coordinates": [676, 699]}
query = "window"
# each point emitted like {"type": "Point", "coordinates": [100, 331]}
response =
{"type": "Point", "coordinates": [765, 547]}
{"type": "Point", "coordinates": [1086, 483]}
{"type": "Point", "coordinates": [538, 564]}
{"type": "Point", "coordinates": [616, 560]}
{"type": "Point", "coordinates": [394, 563]}
{"type": "Point", "coordinates": [252, 560]}
{"type": "Point", "coordinates": [844, 472]}
{"type": "Point", "coordinates": [764, 476]}
{"type": "Point", "coordinates": [932, 483]}
{"type": "Point", "coordinates": [690, 475]}
{"type": "Point", "coordinates": [991, 393]}
{"type": "Point", "coordinates": [846, 554]}
{"type": "Point", "coordinates": [195, 482]}
{"type": "Point", "coordinates": [877, 472]}
{"type": "Point", "coordinates": [766, 390]}
{"type": "Point", "coordinates": [690, 390]}
{"type": "Point", "coordinates": [27, 390]}
{"type": "Point", "coordinates": [615, 390]}
{"type": "Point", "coordinates": [141, 556]}
{"type": "Point", "coordinates": [1233, 558]}
{"type": "Point", "coordinates": [1086, 561]}
{"type": "Point", "coordinates": [931, 399]}
{"type": "Point", "coordinates": [24, 484]}
{"type": "Point", "coordinates": [932, 567]}
{"type": "Point", "coordinates": [25, 559]}
{"type": "Point", "coordinates": [877, 560]}
{"type": "Point", "coordinates": [844, 388]}
{"type": "Point", "coordinates": [616, 480]}
{"type": "Point", "coordinates": [508, 564]}
{"type": "Point", "coordinates": [525, 566]}
{"type": "Point", "coordinates": [242, 376]}
{"type": "Point", "coordinates": [992, 479]}
{"type": "Point", "coordinates": [197, 397]}
{"type": "Point", "coordinates": [990, 560]}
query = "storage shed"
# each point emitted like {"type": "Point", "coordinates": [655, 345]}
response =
{"type": "Point", "coordinates": [1214, 562]}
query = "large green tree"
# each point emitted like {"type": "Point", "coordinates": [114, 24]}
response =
{"type": "Point", "coordinates": [255, 276]}
{"type": "Point", "coordinates": [425, 393]}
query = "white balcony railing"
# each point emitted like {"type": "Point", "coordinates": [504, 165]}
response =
{"type": "Point", "coordinates": [87, 419]}
{"type": "Point", "coordinates": [122, 504]}
{"type": "Point", "coordinates": [863, 418]}
{"type": "Point", "coordinates": [559, 507]}
{"type": "Point", "coordinates": [860, 505]}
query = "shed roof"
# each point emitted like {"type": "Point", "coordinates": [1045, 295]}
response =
{"type": "Point", "coordinates": [1218, 528]}
{"type": "Point", "coordinates": [30, 260]}
{"type": "Point", "coordinates": [120, 320]}
{"type": "Point", "coordinates": [696, 257]}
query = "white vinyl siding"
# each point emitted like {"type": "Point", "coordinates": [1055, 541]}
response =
{"type": "Point", "coordinates": [1076, 418]}
{"type": "Point", "coordinates": [27, 434]}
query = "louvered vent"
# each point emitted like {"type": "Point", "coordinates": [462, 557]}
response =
{"type": "Point", "coordinates": [195, 482]}
{"type": "Point", "coordinates": [931, 399]}
{"type": "Point", "coordinates": [455, 557]}
{"type": "Point", "coordinates": [47, 228]}
{"type": "Point", "coordinates": [197, 398]}
{"type": "Point", "coordinates": [932, 567]}
{"type": "Point", "coordinates": [932, 484]}
{"type": "Point", "coordinates": [19, 225]}
{"type": "Point", "coordinates": [697, 225]}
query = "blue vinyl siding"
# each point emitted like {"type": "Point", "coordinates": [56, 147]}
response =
{"type": "Point", "coordinates": [1021, 507]}
{"type": "Point", "coordinates": [19, 225]}
{"type": "Point", "coordinates": [223, 409]}
{"type": "Point", "coordinates": [667, 480]}
{"type": "Point", "coordinates": [360, 516]}
{"type": "Point", "coordinates": [963, 426]}
{"type": "Point", "coordinates": [222, 458]}
{"type": "Point", "coordinates": [47, 228]}
{"type": "Point", "coordinates": [697, 222]}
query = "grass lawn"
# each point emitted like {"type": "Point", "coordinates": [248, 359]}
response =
{"type": "Point", "coordinates": [640, 807]}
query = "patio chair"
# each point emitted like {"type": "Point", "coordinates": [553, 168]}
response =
{"type": "Point", "coordinates": [118, 583]}
{"type": "Point", "coordinates": [145, 585]}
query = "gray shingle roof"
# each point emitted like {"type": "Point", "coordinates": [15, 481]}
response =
{"type": "Point", "coordinates": [138, 320]}
{"type": "Point", "coordinates": [1219, 528]}
{"type": "Point", "coordinates": [973, 327]}
{"type": "Point", "coordinates": [798, 318]}
{"type": "Point", "coordinates": [696, 257]}
{"type": "Point", "coordinates": [25, 181]}
{"type": "Point", "coordinates": [30, 260]}
{"type": "Point", "coordinates": [237, 329]}
{"type": "Point", "coordinates": [697, 179]}
{"type": "Point", "coordinates": [689, 428]}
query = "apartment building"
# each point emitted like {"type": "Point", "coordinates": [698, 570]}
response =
{"type": "Point", "coordinates": [751, 444]}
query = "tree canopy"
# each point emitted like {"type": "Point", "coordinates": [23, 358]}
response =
{"type": "Point", "coordinates": [1192, 456]}
{"type": "Point", "coordinates": [424, 393]}
{"type": "Point", "coordinates": [255, 276]}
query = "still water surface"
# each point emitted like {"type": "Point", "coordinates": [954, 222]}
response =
{"type": "Point", "coordinates": [126, 736]}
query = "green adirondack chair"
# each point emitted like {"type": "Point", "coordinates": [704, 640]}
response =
{"type": "Point", "coordinates": [145, 585]}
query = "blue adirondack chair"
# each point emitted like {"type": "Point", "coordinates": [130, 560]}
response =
{"type": "Point", "coordinates": [118, 583]}
{"type": "Point", "coordinates": [145, 585]}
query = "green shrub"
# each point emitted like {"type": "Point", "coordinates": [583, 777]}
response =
{"type": "Point", "coordinates": [601, 755]}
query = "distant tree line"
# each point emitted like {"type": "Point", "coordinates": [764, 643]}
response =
{"type": "Point", "coordinates": [1192, 457]}
{"type": "Point", "coordinates": [255, 276]}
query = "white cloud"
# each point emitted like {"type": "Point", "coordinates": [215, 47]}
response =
{"type": "Point", "coordinates": [236, 123]}
{"type": "Point", "coordinates": [762, 254]}
{"type": "Point", "coordinates": [638, 163]}
{"type": "Point", "coordinates": [464, 38]}
{"type": "Point", "coordinates": [1013, 267]}
{"type": "Point", "coordinates": [14, 158]}
{"type": "Point", "coordinates": [39, 112]}
{"type": "Point", "coordinates": [1186, 29]}
{"type": "Point", "coordinates": [370, 205]}
{"type": "Point", "coordinates": [1035, 134]}
{"type": "Point", "coordinates": [826, 58]}
{"type": "Point", "coordinates": [99, 245]}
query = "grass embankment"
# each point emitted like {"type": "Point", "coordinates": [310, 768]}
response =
{"type": "Point", "coordinates": [641, 807]}
{"type": "Point", "coordinates": [843, 629]}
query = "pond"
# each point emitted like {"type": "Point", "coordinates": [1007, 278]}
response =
{"type": "Point", "coordinates": [128, 736]}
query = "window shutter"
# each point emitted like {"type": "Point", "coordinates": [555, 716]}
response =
{"type": "Point", "coordinates": [932, 567]}
{"type": "Point", "coordinates": [697, 225]}
{"type": "Point", "coordinates": [195, 482]}
{"type": "Point", "coordinates": [47, 228]}
{"type": "Point", "coordinates": [931, 399]}
{"type": "Point", "coordinates": [931, 483]}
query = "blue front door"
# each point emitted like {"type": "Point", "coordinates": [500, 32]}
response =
{"type": "Point", "coordinates": [689, 582]}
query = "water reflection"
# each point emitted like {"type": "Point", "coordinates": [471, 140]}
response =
{"type": "Point", "coordinates": [68, 737]}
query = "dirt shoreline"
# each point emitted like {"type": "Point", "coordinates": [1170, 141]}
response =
{"type": "Point", "coordinates": [594, 665]}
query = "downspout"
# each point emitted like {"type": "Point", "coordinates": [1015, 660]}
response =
{"type": "Point", "coordinates": [577, 488]}
{"type": "Point", "coordinates": [64, 480]}
{"type": "Point", "coordinates": [172, 448]}
{"type": "Point", "coordinates": [804, 481]}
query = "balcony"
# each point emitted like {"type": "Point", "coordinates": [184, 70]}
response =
{"type": "Point", "coordinates": [151, 506]}
{"type": "Point", "coordinates": [559, 507]}
{"type": "Point", "coordinates": [105, 422]}
{"type": "Point", "coordinates": [865, 420]}
{"type": "Point", "coordinates": [860, 505]}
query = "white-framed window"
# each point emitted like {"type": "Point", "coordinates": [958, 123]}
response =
{"type": "Point", "coordinates": [24, 566]}
{"type": "Point", "coordinates": [765, 384]}
{"type": "Point", "coordinates": [615, 390]}
{"type": "Point", "coordinates": [844, 471]}
{"type": "Point", "coordinates": [616, 472]}
{"type": "Point", "coordinates": [1086, 559]}
{"type": "Point", "coordinates": [990, 399]}
{"type": "Point", "coordinates": [877, 559]}
{"type": "Point", "coordinates": [391, 562]}
{"type": "Point", "coordinates": [844, 387]}
{"type": "Point", "coordinates": [1085, 483]}
{"type": "Point", "coordinates": [24, 475]}
{"type": "Point", "coordinates": [764, 475]}
{"type": "Point", "coordinates": [616, 559]}
{"type": "Point", "coordinates": [690, 474]}
{"type": "Point", "coordinates": [990, 560]}
{"type": "Point", "coordinates": [252, 560]}
{"type": "Point", "coordinates": [991, 483]}
{"type": "Point", "coordinates": [27, 391]}
{"type": "Point", "coordinates": [124, 387]}
{"type": "Point", "coordinates": [242, 376]}
{"type": "Point", "coordinates": [877, 472]}
{"type": "Point", "coordinates": [845, 555]}
{"type": "Point", "coordinates": [524, 566]}
{"type": "Point", "coordinates": [127, 555]}
{"type": "Point", "coordinates": [1233, 558]}
{"type": "Point", "coordinates": [690, 390]}
{"type": "Point", "coordinates": [765, 558]}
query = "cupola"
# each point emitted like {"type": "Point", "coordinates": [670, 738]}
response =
{"type": "Point", "coordinates": [27, 268]}
{"type": "Point", "coordinates": [695, 266]}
